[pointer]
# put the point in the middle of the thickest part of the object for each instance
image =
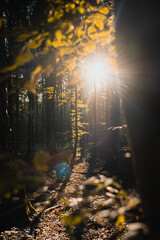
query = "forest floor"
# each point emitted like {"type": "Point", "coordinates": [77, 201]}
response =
{"type": "Point", "coordinates": [62, 210]}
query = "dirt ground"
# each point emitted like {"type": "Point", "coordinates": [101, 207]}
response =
{"type": "Point", "coordinates": [60, 211]}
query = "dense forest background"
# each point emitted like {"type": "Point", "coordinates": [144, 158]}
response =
{"type": "Point", "coordinates": [47, 102]}
{"type": "Point", "coordinates": [59, 99]}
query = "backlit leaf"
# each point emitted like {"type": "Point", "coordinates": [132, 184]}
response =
{"type": "Point", "coordinates": [81, 10]}
{"type": "Point", "coordinates": [70, 36]}
{"type": "Point", "coordinates": [24, 57]}
{"type": "Point", "coordinates": [25, 36]}
{"type": "Point", "coordinates": [103, 10]}
{"type": "Point", "coordinates": [120, 222]}
{"type": "Point", "coordinates": [92, 8]}
{"type": "Point", "coordinates": [69, 7]}
{"type": "Point", "coordinates": [99, 23]}
{"type": "Point", "coordinates": [58, 35]}
{"type": "Point", "coordinates": [50, 19]}
{"type": "Point", "coordinates": [79, 32]}
{"type": "Point", "coordinates": [57, 44]}
{"type": "Point", "coordinates": [58, 13]}
{"type": "Point", "coordinates": [98, 1]}
{"type": "Point", "coordinates": [91, 30]}
{"type": "Point", "coordinates": [32, 83]}
{"type": "Point", "coordinates": [76, 1]}
{"type": "Point", "coordinates": [105, 33]}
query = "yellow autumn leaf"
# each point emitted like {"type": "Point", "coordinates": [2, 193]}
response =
{"type": "Point", "coordinates": [81, 10]}
{"type": "Point", "coordinates": [57, 59]}
{"type": "Point", "coordinates": [76, 1]}
{"type": "Point", "coordinates": [51, 19]}
{"type": "Point", "coordinates": [95, 36]}
{"type": "Point", "coordinates": [48, 42]}
{"type": "Point", "coordinates": [69, 7]}
{"type": "Point", "coordinates": [70, 36]}
{"type": "Point", "coordinates": [24, 57]}
{"type": "Point", "coordinates": [61, 72]}
{"type": "Point", "coordinates": [91, 30]}
{"type": "Point", "coordinates": [24, 36]}
{"type": "Point", "coordinates": [58, 35]}
{"type": "Point", "coordinates": [99, 23]}
{"type": "Point", "coordinates": [92, 8]}
{"type": "Point", "coordinates": [98, 1]}
{"type": "Point", "coordinates": [36, 71]}
{"type": "Point", "coordinates": [36, 42]}
{"type": "Point", "coordinates": [57, 44]}
{"type": "Point", "coordinates": [79, 32]}
{"type": "Point", "coordinates": [120, 222]}
{"type": "Point", "coordinates": [103, 10]}
{"type": "Point", "coordinates": [105, 33]}
{"type": "Point", "coordinates": [58, 13]}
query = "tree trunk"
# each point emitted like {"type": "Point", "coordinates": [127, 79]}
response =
{"type": "Point", "coordinates": [50, 123]}
{"type": "Point", "coordinates": [138, 50]}
{"type": "Point", "coordinates": [76, 124]}
{"type": "Point", "coordinates": [115, 109]}
{"type": "Point", "coordinates": [4, 129]}
{"type": "Point", "coordinates": [17, 120]}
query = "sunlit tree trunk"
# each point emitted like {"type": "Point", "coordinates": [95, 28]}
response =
{"type": "Point", "coordinates": [76, 123]}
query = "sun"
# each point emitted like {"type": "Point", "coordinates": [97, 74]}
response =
{"type": "Point", "coordinates": [96, 70]}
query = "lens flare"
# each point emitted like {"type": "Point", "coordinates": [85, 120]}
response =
{"type": "Point", "coordinates": [62, 170]}
{"type": "Point", "coordinates": [96, 71]}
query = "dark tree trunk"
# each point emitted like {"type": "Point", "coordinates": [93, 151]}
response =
{"type": "Point", "coordinates": [4, 128]}
{"type": "Point", "coordinates": [76, 124]}
{"type": "Point", "coordinates": [17, 120]}
{"type": "Point", "coordinates": [36, 121]}
{"type": "Point", "coordinates": [115, 109]}
{"type": "Point", "coordinates": [138, 38]}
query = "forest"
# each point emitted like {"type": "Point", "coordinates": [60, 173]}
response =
{"type": "Point", "coordinates": [79, 121]}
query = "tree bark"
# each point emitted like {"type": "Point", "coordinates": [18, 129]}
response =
{"type": "Point", "coordinates": [76, 124]}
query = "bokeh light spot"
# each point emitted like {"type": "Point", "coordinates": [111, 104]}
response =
{"type": "Point", "coordinates": [62, 170]}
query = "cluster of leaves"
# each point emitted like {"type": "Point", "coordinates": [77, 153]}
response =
{"type": "Point", "coordinates": [69, 32]}
{"type": "Point", "coordinates": [77, 116]}
{"type": "Point", "coordinates": [103, 201]}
